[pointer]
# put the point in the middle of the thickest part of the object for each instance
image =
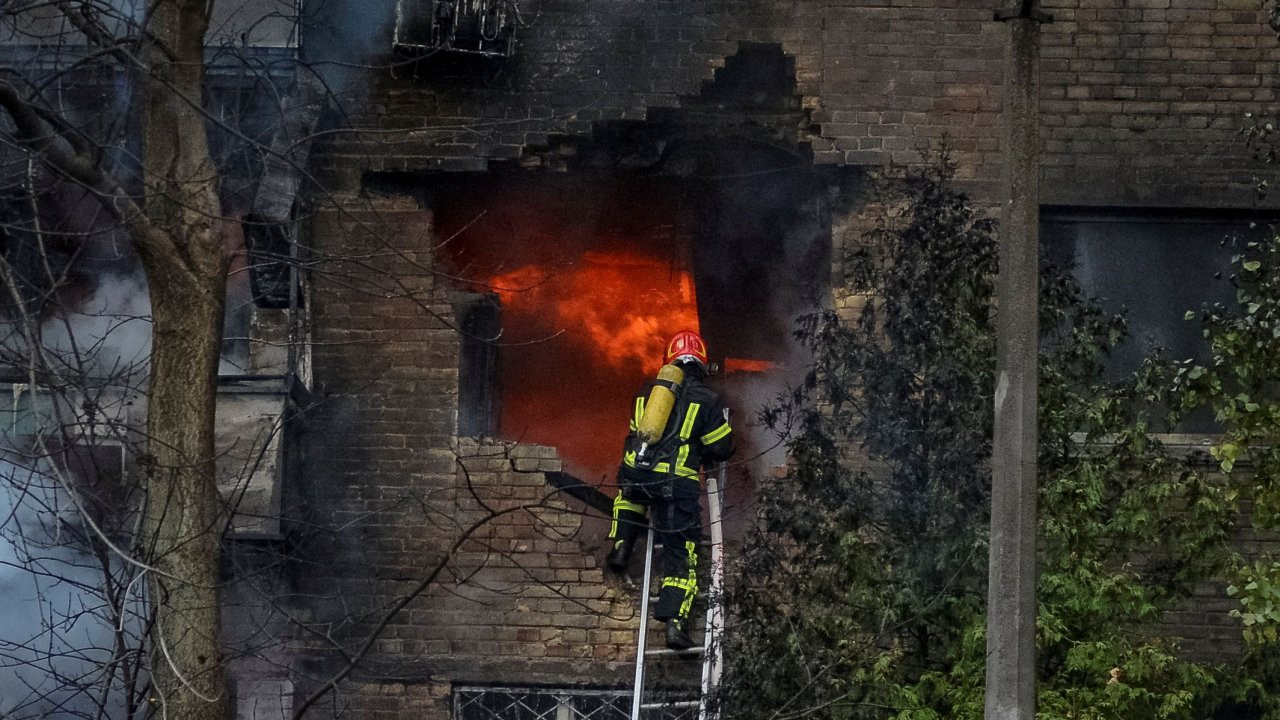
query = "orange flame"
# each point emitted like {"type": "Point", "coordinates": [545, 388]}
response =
{"type": "Point", "coordinates": [751, 366]}
{"type": "Point", "coordinates": [622, 305]}
{"type": "Point", "coordinates": [594, 329]}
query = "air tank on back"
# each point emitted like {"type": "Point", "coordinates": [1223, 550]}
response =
{"type": "Point", "coordinates": [657, 409]}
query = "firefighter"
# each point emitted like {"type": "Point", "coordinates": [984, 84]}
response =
{"type": "Point", "coordinates": [660, 470]}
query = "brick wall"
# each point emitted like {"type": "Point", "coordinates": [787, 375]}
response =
{"type": "Point", "coordinates": [1140, 103]}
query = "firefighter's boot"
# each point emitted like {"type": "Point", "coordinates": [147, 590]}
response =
{"type": "Point", "coordinates": [619, 557]}
{"type": "Point", "coordinates": [677, 637]}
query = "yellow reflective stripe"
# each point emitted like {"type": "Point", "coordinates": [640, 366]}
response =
{"type": "Point", "coordinates": [716, 434]}
{"type": "Point", "coordinates": [619, 505]}
{"type": "Point", "coordinates": [691, 551]}
{"type": "Point", "coordinates": [687, 428]}
{"type": "Point", "coordinates": [681, 471]}
{"type": "Point", "coordinates": [682, 454]}
{"type": "Point", "coordinates": [629, 459]}
{"type": "Point", "coordinates": [613, 526]}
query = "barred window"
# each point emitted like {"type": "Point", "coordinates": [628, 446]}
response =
{"type": "Point", "coordinates": [525, 703]}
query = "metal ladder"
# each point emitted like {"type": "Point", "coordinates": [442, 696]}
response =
{"type": "Point", "coordinates": [711, 650]}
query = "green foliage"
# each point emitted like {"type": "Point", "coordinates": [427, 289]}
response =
{"type": "Point", "coordinates": [862, 592]}
{"type": "Point", "coordinates": [1260, 596]}
{"type": "Point", "coordinates": [1240, 380]}
{"type": "Point", "coordinates": [1240, 383]}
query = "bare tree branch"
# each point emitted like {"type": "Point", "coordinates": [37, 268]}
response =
{"type": "Point", "coordinates": [43, 140]}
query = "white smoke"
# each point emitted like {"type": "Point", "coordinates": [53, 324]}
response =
{"type": "Point", "coordinates": [57, 632]}
{"type": "Point", "coordinates": [752, 393]}
{"type": "Point", "coordinates": [108, 336]}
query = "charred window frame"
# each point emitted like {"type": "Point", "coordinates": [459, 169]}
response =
{"type": "Point", "coordinates": [261, 143]}
{"type": "Point", "coordinates": [272, 261]}
{"type": "Point", "coordinates": [98, 473]}
{"type": "Point", "coordinates": [479, 318]}
{"type": "Point", "coordinates": [484, 28]}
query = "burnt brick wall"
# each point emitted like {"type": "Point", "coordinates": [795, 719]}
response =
{"type": "Point", "coordinates": [1140, 103]}
{"type": "Point", "coordinates": [879, 78]}
{"type": "Point", "coordinates": [390, 488]}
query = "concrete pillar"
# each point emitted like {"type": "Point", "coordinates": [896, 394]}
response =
{"type": "Point", "coordinates": [1011, 601]}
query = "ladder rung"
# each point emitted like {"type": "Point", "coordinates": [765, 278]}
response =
{"type": "Point", "coordinates": [677, 705]}
{"type": "Point", "coordinates": [687, 652]}
{"type": "Point", "coordinates": [656, 625]}
{"type": "Point", "coordinates": [702, 544]}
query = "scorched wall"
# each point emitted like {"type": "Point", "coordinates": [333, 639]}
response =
{"type": "Point", "coordinates": [1129, 90]}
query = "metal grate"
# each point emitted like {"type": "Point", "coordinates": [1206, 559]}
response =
{"type": "Point", "coordinates": [516, 703]}
{"type": "Point", "coordinates": [476, 27]}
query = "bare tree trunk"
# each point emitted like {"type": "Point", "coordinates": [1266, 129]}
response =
{"type": "Point", "coordinates": [186, 273]}
{"type": "Point", "coordinates": [181, 520]}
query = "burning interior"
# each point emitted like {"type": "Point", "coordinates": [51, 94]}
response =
{"type": "Point", "coordinates": [567, 286]}
{"type": "Point", "coordinates": [569, 277]}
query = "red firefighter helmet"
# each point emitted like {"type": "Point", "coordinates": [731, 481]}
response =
{"type": "Point", "coordinates": [684, 346]}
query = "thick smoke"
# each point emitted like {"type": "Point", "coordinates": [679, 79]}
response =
{"type": "Point", "coordinates": [751, 393]}
{"type": "Point", "coordinates": [779, 238]}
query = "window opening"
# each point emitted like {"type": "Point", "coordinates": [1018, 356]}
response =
{"type": "Point", "coordinates": [586, 275]}
{"type": "Point", "coordinates": [1152, 265]}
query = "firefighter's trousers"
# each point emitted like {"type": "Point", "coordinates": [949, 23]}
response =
{"type": "Point", "coordinates": [677, 521]}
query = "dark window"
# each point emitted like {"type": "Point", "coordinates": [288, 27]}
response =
{"type": "Point", "coordinates": [97, 472]}
{"type": "Point", "coordinates": [1152, 265]}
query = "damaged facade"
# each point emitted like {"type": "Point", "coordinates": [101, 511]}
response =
{"type": "Point", "coordinates": [475, 225]}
